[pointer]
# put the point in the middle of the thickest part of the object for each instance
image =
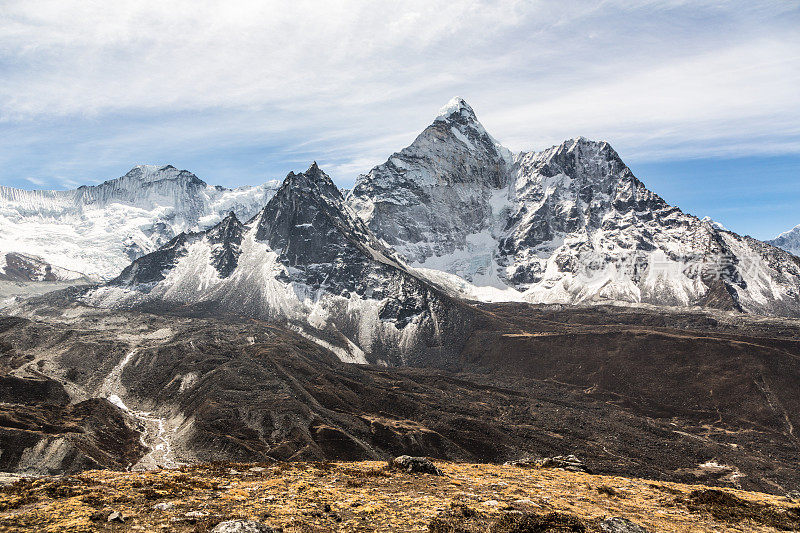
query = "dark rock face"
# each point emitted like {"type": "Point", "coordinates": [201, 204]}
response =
{"type": "Point", "coordinates": [226, 241]}
{"type": "Point", "coordinates": [323, 243]}
{"type": "Point", "coordinates": [42, 433]}
{"type": "Point", "coordinates": [151, 268]}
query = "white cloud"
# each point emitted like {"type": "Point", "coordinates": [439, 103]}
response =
{"type": "Point", "coordinates": [349, 82]}
{"type": "Point", "coordinates": [712, 101]}
{"type": "Point", "coordinates": [301, 56]}
{"type": "Point", "coordinates": [36, 181]}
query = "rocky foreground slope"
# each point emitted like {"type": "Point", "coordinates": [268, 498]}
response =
{"type": "Point", "coordinates": [366, 496]}
{"type": "Point", "coordinates": [680, 396]}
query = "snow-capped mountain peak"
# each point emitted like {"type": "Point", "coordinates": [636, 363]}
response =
{"type": "Point", "coordinates": [98, 229]}
{"type": "Point", "coordinates": [313, 180]}
{"type": "Point", "coordinates": [465, 126]}
{"type": "Point", "coordinates": [305, 259]}
{"type": "Point", "coordinates": [713, 223]}
{"type": "Point", "coordinates": [150, 173]}
{"type": "Point", "coordinates": [567, 224]}
{"type": "Point", "coordinates": [457, 106]}
{"type": "Point", "coordinates": [429, 196]}
{"type": "Point", "coordinates": [788, 240]}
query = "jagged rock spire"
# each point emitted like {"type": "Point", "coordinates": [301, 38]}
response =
{"type": "Point", "coordinates": [314, 182]}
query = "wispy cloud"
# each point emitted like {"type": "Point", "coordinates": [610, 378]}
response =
{"type": "Point", "coordinates": [36, 181]}
{"type": "Point", "coordinates": [244, 91]}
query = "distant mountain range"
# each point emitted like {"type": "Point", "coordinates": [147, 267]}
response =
{"type": "Point", "coordinates": [455, 209]}
{"type": "Point", "coordinates": [98, 230]}
{"type": "Point", "coordinates": [788, 240]}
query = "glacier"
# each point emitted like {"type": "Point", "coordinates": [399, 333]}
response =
{"type": "Point", "coordinates": [98, 230]}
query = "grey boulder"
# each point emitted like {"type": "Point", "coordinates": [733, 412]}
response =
{"type": "Point", "coordinates": [415, 465]}
{"type": "Point", "coordinates": [242, 526]}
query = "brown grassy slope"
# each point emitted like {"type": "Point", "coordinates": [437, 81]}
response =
{"type": "Point", "coordinates": [364, 496]}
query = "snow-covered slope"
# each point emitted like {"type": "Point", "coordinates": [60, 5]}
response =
{"type": "Point", "coordinates": [788, 240]}
{"type": "Point", "coordinates": [568, 224]}
{"type": "Point", "coordinates": [308, 260]}
{"type": "Point", "coordinates": [97, 230]}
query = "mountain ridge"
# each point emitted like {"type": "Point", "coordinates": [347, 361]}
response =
{"type": "Point", "coordinates": [788, 240]}
{"type": "Point", "coordinates": [567, 224]}
{"type": "Point", "coordinates": [305, 259]}
{"type": "Point", "coordinates": [98, 229]}
{"type": "Point", "coordinates": [230, 342]}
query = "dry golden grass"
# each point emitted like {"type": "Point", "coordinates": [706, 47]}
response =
{"type": "Point", "coordinates": [364, 496]}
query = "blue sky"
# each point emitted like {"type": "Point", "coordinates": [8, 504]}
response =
{"type": "Point", "coordinates": [700, 98]}
{"type": "Point", "coordinates": [756, 196]}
